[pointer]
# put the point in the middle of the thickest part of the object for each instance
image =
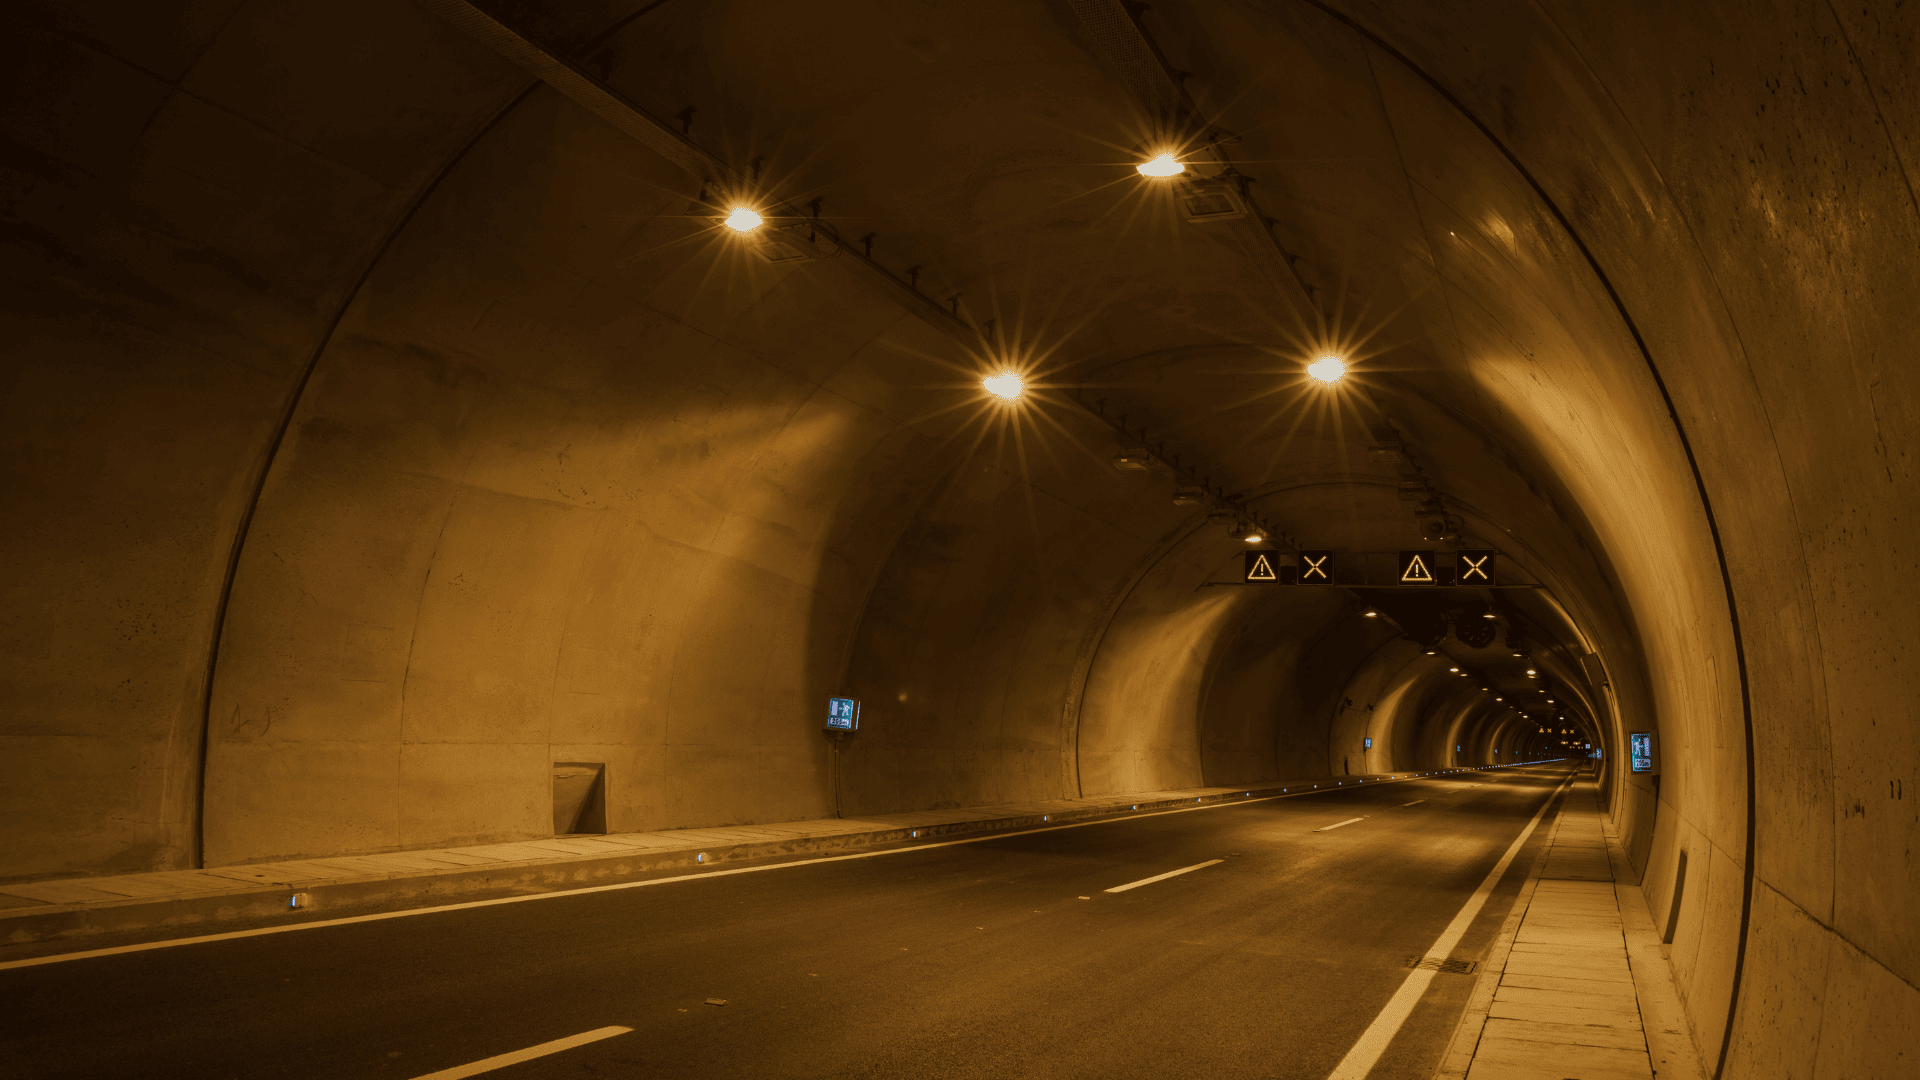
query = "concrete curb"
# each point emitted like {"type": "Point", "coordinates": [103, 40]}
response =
{"type": "Point", "coordinates": [62, 927]}
{"type": "Point", "coordinates": [1458, 1059]}
{"type": "Point", "coordinates": [56, 928]}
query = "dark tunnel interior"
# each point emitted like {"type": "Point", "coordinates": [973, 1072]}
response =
{"type": "Point", "coordinates": [405, 452]}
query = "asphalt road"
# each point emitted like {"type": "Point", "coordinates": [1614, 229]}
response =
{"type": "Point", "coordinates": [999, 958]}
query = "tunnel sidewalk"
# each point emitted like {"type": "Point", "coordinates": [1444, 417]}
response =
{"type": "Point", "coordinates": [1576, 984]}
{"type": "Point", "coordinates": [49, 917]}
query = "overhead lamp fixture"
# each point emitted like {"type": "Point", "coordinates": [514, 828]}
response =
{"type": "Point", "coordinates": [744, 219]}
{"type": "Point", "coordinates": [1161, 167]}
{"type": "Point", "coordinates": [1531, 671]}
{"type": "Point", "coordinates": [1370, 613]}
{"type": "Point", "coordinates": [1455, 669]}
{"type": "Point", "coordinates": [1328, 369]}
{"type": "Point", "coordinates": [1489, 615]}
{"type": "Point", "coordinates": [1007, 385]}
{"type": "Point", "coordinates": [1244, 531]}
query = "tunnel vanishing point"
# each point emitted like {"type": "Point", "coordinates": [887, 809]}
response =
{"type": "Point", "coordinates": [412, 406]}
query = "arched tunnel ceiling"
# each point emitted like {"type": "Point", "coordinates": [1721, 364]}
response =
{"type": "Point", "coordinates": [391, 426]}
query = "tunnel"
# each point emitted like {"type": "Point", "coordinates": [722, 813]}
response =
{"type": "Point", "coordinates": [914, 450]}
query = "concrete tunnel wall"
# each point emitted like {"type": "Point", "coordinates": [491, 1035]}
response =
{"type": "Point", "coordinates": [1720, 196]}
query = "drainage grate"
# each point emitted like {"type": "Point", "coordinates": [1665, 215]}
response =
{"type": "Point", "coordinates": [1451, 967]}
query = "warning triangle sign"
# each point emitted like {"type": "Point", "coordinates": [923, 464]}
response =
{"type": "Point", "coordinates": [1416, 572]}
{"type": "Point", "coordinates": [1261, 570]}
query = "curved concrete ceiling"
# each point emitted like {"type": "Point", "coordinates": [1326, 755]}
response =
{"type": "Point", "coordinates": [389, 424]}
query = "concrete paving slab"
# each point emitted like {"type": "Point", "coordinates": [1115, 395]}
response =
{"type": "Point", "coordinates": [1555, 1014]}
{"type": "Point", "coordinates": [1565, 1034]}
{"type": "Point", "coordinates": [1564, 1060]}
{"type": "Point", "coordinates": [1590, 936]}
{"type": "Point", "coordinates": [1618, 999]}
{"type": "Point", "coordinates": [135, 887]}
{"type": "Point", "coordinates": [62, 892]}
{"type": "Point", "coordinates": [1562, 982]}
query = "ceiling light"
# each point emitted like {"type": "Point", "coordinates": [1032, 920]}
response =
{"type": "Point", "coordinates": [1371, 614]}
{"type": "Point", "coordinates": [1163, 166]}
{"type": "Point", "coordinates": [1007, 385]}
{"type": "Point", "coordinates": [1489, 615]}
{"type": "Point", "coordinates": [743, 219]}
{"type": "Point", "coordinates": [1328, 369]}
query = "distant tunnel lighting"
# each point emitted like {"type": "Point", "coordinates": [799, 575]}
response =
{"type": "Point", "coordinates": [1530, 671]}
{"type": "Point", "coordinates": [1489, 615]}
{"type": "Point", "coordinates": [1453, 669]}
{"type": "Point", "coordinates": [743, 220]}
{"type": "Point", "coordinates": [1008, 385]}
{"type": "Point", "coordinates": [1163, 166]}
{"type": "Point", "coordinates": [1371, 614]}
{"type": "Point", "coordinates": [1328, 369]}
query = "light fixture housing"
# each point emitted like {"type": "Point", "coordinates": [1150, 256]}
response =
{"type": "Point", "coordinates": [743, 219]}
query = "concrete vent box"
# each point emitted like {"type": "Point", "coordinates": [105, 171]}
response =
{"type": "Point", "coordinates": [579, 797]}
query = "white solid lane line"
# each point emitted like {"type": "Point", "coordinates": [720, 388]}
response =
{"type": "Point", "coordinates": [1337, 824]}
{"type": "Point", "coordinates": [1163, 877]}
{"type": "Point", "coordinates": [1415, 802]}
{"type": "Point", "coordinates": [501, 1061]}
{"type": "Point", "coordinates": [1373, 1042]}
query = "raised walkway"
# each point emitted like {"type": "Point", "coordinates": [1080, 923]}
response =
{"type": "Point", "coordinates": [53, 917]}
{"type": "Point", "coordinates": [1576, 986]}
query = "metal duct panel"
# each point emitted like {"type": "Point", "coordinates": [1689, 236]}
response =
{"type": "Point", "coordinates": [1116, 34]}
{"type": "Point", "coordinates": [603, 101]}
{"type": "Point", "coordinates": [598, 98]}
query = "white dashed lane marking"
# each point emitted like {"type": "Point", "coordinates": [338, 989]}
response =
{"type": "Point", "coordinates": [1165, 876]}
{"type": "Point", "coordinates": [501, 1061]}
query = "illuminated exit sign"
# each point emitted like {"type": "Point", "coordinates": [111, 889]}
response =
{"type": "Point", "coordinates": [1640, 751]}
